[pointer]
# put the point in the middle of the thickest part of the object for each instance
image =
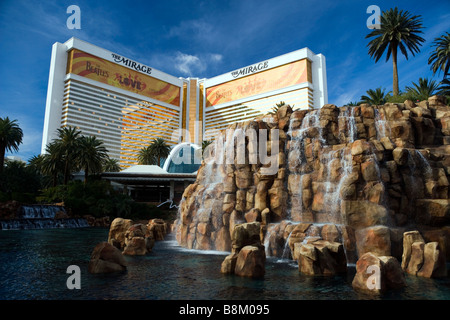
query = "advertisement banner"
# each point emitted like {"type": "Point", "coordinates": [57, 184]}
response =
{"type": "Point", "coordinates": [104, 71]}
{"type": "Point", "coordinates": [272, 79]}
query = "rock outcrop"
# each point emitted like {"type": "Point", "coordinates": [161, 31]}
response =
{"type": "Point", "coordinates": [106, 258]}
{"type": "Point", "coordinates": [359, 176]}
{"type": "Point", "coordinates": [248, 257]}
{"type": "Point", "coordinates": [136, 238]}
{"type": "Point", "coordinates": [376, 274]}
{"type": "Point", "coordinates": [422, 259]}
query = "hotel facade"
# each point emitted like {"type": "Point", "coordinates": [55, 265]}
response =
{"type": "Point", "coordinates": [127, 104]}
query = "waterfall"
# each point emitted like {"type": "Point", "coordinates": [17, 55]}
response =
{"type": "Point", "coordinates": [41, 217]}
{"type": "Point", "coordinates": [39, 211]}
{"type": "Point", "coordinates": [347, 124]}
{"type": "Point", "coordinates": [380, 125]}
{"type": "Point", "coordinates": [42, 223]}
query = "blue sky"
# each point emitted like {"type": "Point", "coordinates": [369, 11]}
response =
{"type": "Point", "coordinates": [201, 39]}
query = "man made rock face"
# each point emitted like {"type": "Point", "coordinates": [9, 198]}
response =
{"type": "Point", "coordinates": [359, 176]}
{"type": "Point", "coordinates": [376, 274]}
{"type": "Point", "coordinates": [106, 258]}
{"type": "Point", "coordinates": [422, 259]}
{"type": "Point", "coordinates": [248, 257]}
{"type": "Point", "coordinates": [321, 257]}
{"type": "Point", "coordinates": [136, 238]}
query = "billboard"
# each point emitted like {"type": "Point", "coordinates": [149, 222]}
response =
{"type": "Point", "coordinates": [107, 72]}
{"type": "Point", "coordinates": [257, 83]}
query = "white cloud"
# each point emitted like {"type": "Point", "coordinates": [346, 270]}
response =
{"type": "Point", "coordinates": [195, 65]}
{"type": "Point", "coordinates": [215, 57]}
{"type": "Point", "coordinates": [188, 64]}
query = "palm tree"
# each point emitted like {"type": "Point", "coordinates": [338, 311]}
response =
{"type": "Point", "coordinates": [91, 155]}
{"type": "Point", "coordinates": [398, 29]}
{"type": "Point", "coordinates": [52, 164]}
{"type": "Point", "coordinates": [111, 165]}
{"type": "Point", "coordinates": [11, 136]}
{"type": "Point", "coordinates": [205, 144]}
{"type": "Point", "coordinates": [375, 97]}
{"type": "Point", "coordinates": [159, 149]}
{"type": "Point", "coordinates": [277, 106]}
{"type": "Point", "coordinates": [440, 59]}
{"type": "Point", "coordinates": [445, 87]}
{"type": "Point", "coordinates": [146, 156]}
{"type": "Point", "coordinates": [423, 90]}
{"type": "Point", "coordinates": [68, 143]}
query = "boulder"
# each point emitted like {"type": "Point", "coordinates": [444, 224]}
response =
{"type": "Point", "coordinates": [136, 246]}
{"type": "Point", "coordinates": [106, 258]}
{"type": "Point", "coordinates": [416, 258]}
{"type": "Point", "coordinates": [374, 239]}
{"type": "Point", "coordinates": [229, 264]}
{"type": "Point", "coordinates": [330, 233]}
{"type": "Point", "coordinates": [409, 238]}
{"type": "Point", "coordinates": [158, 227]}
{"type": "Point", "coordinates": [422, 259]}
{"type": "Point", "coordinates": [434, 262]}
{"type": "Point", "coordinates": [117, 230]}
{"type": "Point", "coordinates": [321, 257]}
{"type": "Point", "coordinates": [433, 211]}
{"type": "Point", "coordinates": [251, 262]}
{"type": "Point", "coordinates": [377, 274]}
{"type": "Point", "coordinates": [360, 214]}
{"type": "Point", "coordinates": [253, 215]}
{"type": "Point", "coordinates": [135, 243]}
{"type": "Point", "coordinates": [246, 234]}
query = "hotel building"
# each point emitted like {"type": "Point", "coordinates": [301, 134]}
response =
{"type": "Point", "coordinates": [127, 104]}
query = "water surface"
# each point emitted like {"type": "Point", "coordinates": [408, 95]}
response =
{"type": "Point", "coordinates": [34, 263]}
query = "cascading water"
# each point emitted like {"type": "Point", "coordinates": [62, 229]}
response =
{"type": "Point", "coordinates": [41, 217]}
{"type": "Point", "coordinates": [347, 125]}
{"type": "Point", "coordinates": [380, 125]}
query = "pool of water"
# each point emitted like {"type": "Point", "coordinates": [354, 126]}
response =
{"type": "Point", "coordinates": [33, 265]}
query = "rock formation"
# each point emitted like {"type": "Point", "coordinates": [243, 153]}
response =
{"type": "Point", "coordinates": [248, 257]}
{"type": "Point", "coordinates": [106, 258]}
{"type": "Point", "coordinates": [358, 176]}
{"type": "Point", "coordinates": [136, 238]}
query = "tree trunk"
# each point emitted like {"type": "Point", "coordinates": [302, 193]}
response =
{"type": "Point", "coordinates": [395, 90]}
{"type": "Point", "coordinates": [66, 172]}
{"type": "Point", "coordinates": [86, 174]}
{"type": "Point", "coordinates": [2, 157]}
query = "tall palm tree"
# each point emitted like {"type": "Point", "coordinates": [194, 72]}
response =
{"type": "Point", "coordinates": [146, 156]}
{"type": "Point", "coordinates": [91, 155]}
{"type": "Point", "coordinates": [375, 97]}
{"type": "Point", "coordinates": [111, 165]}
{"type": "Point", "coordinates": [423, 90]}
{"type": "Point", "coordinates": [159, 149]}
{"type": "Point", "coordinates": [68, 142]}
{"type": "Point", "coordinates": [52, 164]}
{"type": "Point", "coordinates": [398, 29]}
{"type": "Point", "coordinates": [11, 136]}
{"type": "Point", "coordinates": [440, 59]}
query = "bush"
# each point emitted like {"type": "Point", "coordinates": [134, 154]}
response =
{"type": "Point", "coordinates": [98, 198]}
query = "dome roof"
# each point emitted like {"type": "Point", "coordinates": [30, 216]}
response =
{"type": "Point", "coordinates": [185, 157]}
